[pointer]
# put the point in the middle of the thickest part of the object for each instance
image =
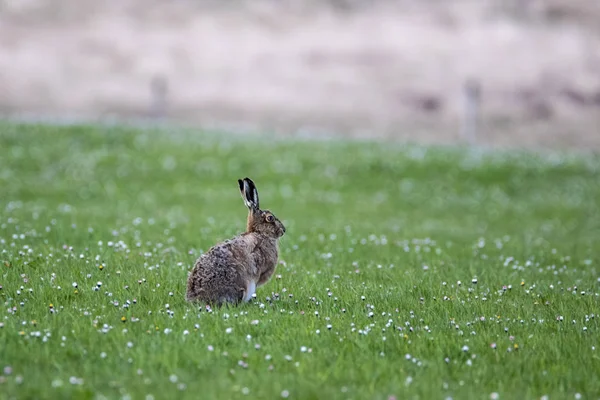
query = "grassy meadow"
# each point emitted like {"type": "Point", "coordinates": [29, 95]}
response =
{"type": "Point", "coordinates": [406, 272]}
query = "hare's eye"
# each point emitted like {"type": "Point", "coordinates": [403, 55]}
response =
{"type": "Point", "coordinates": [269, 218]}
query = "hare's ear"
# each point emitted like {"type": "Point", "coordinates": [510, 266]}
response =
{"type": "Point", "coordinates": [249, 193]}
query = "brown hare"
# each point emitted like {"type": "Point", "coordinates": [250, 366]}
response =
{"type": "Point", "coordinates": [230, 272]}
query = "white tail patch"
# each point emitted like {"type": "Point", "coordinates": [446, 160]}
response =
{"type": "Point", "coordinates": [250, 290]}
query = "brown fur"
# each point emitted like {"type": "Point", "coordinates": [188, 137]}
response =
{"type": "Point", "coordinates": [225, 272]}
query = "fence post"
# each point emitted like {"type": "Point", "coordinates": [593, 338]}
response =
{"type": "Point", "coordinates": [158, 97]}
{"type": "Point", "coordinates": [471, 109]}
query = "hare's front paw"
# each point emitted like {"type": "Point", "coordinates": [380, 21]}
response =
{"type": "Point", "coordinates": [250, 290]}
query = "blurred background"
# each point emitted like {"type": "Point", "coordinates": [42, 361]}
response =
{"type": "Point", "coordinates": [518, 73]}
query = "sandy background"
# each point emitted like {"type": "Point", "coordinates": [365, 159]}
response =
{"type": "Point", "coordinates": [386, 69]}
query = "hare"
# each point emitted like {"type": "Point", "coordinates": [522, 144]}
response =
{"type": "Point", "coordinates": [231, 271]}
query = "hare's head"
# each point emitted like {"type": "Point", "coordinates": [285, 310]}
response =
{"type": "Point", "coordinates": [259, 221]}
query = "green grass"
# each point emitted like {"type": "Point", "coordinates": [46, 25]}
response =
{"type": "Point", "coordinates": [367, 304]}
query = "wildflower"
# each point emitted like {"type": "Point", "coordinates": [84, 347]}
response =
{"type": "Point", "coordinates": [75, 381]}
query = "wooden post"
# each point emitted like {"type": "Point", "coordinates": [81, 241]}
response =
{"type": "Point", "coordinates": [158, 97]}
{"type": "Point", "coordinates": [471, 108]}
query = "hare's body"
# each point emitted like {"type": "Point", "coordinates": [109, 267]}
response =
{"type": "Point", "coordinates": [231, 271]}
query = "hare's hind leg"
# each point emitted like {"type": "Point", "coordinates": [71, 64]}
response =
{"type": "Point", "coordinates": [193, 292]}
{"type": "Point", "coordinates": [230, 296]}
